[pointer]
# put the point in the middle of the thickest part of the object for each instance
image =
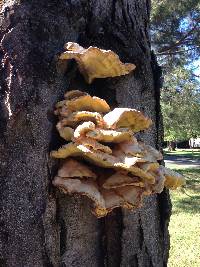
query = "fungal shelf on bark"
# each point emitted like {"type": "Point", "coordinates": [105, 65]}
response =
{"type": "Point", "coordinates": [103, 159]}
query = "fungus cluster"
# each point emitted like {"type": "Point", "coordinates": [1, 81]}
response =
{"type": "Point", "coordinates": [102, 159]}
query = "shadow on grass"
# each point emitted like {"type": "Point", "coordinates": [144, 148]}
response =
{"type": "Point", "coordinates": [182, 160]}
{"type": "Point", "coordinates": [183, 153]}
{"type": "Point", "coordinates": [190, 155]}
{"type": "Point", "coordinates": [188, 198]}
{"type": "Point", "coordinates": [188, 205]}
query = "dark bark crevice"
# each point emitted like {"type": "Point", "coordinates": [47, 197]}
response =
{"type": "Point", "coordinates": [103, 243]}
{"type": "Point", "coordinates": [158, 80]}
{"type": "Point", "coordinates": [114, 229]}
{"type": "Point", "coordinates": [165, 208]}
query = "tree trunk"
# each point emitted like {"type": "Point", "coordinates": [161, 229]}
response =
{"type": "Point", "coordinates": [39, 226]}
{"type": "Point", "coordinates": [172, 146]}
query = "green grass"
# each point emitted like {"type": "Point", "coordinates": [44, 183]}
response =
{"type": "Point", "coordinates": [193, 153]}
{"type": "Point", "coordinates": [184, 225]}
{"type": "Point", "coordinates": [175, 166]}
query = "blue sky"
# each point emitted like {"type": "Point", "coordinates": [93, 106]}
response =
{"type": "Point", "coordinates": [196, 64]}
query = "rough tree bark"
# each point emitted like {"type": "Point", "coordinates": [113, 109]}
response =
{"type": "Point", "coordinates": [38, 225]}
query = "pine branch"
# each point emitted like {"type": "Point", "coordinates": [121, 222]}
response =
{"type": "Point", "coordinates": [177, 51]}
{"type": "Point", "coordinates": [168, 50]}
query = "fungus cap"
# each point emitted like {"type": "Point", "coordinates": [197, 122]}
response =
{"type": "Point", "coordinates": [96, 63]}
{"type": "Point", "coordinates": [119, 179]}
{"type": "Point", "coordinates": [111, 136]}
{"type": "Point", "coordinates": [94, 145]}
{"type": "Point", "coordinates": [172, 178]}
{"type": "Point", "coordinates": [112, 200]}
{"type": "Point", "coordinates": [60, 104]}
{"type": "Point", "coordinates": [132, 196]}
{"type": "Point", "coordinates": [83, 128]}
{"type": "Point", "coordinates": [130, 148]}
{"type": "Point", "coordinates": [138, 149]}
{"type": "Point", "coordinates": [66, 133]}
{"type": "Point", "coordinates": [88, 188]}
{"type": "Point", "coordinates": [87, 103]}
{"type": "Point", "coordinates": [73, 168]}
{"type": "Point", "coordinates": [159, 181]}
{"type": "Point", "coordinates": [135, 171]}
{"type": "Point", "coordinates": [127, 118]}
{"type": "Point", "coordinates": [72, 119]}
{"type": "Point", "coordinates": [150, 153]}
{"type": "Point", "coordinates": [98, 158]}
{"type": "Point", "coordinates": [74, 94]}
{"type": "Point", "coordinates": [149, 166]}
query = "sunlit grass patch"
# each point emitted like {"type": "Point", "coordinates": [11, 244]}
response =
{"type": "Point", "coordinates": [194, 153]}
{"type": "Point", "coordinates": [184, 225]}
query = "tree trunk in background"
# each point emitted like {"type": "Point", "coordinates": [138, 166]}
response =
{"type": "Point", "coordinates": [172, 146]}
{"type": "Point", "coordinates": [40, 226]}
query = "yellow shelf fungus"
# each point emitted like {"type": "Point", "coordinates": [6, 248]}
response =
{"type": "Point", "coordinates": [103, 159]}
{"type": "Point", "coordinates": [94, 62]}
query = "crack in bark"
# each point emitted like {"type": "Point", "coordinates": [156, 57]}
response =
{"type": "Point", "coordinates": [113, 230]}
{"type": "Point", "coordinates": [113, 11]}
{"type": "Point", "coordinates": [157, 73]}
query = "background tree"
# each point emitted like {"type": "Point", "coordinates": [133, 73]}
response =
{"type": "Point", "coordinates": [180, 101]}
{"type": "Point", "coordinates": [40, 226]}
{"type": "Point", "coordinates": [175, 30]}
{"type": "Point", "coordinates": [176, 39]}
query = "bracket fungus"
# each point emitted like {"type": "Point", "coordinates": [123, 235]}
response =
{"type": "Point", "coordinates": [103, 159]}
{"type": "Point", "coordinates": [127, 117]}
{"type": "Point", "coordinates": [73, 168]}
{"type": "Point", "coordinates": [94, 62]}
